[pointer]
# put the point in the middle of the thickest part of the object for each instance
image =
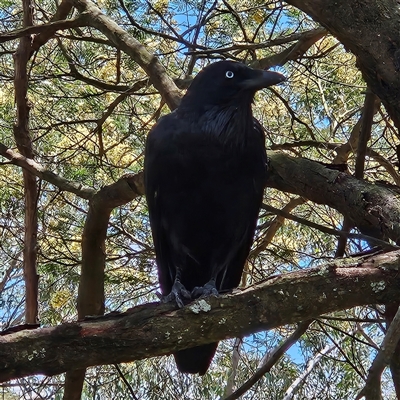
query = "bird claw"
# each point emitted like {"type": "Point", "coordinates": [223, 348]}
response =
{"type": "Point", "coordinates": [178, 294]}
{"type": "Point", "coordinates": [208, 289]}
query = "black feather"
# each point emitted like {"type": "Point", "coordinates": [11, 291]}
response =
{"type": "Point", "coordinates": [205, 171]}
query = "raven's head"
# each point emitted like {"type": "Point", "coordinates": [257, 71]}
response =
{"type": "Point", "coordinates": [227, 82]}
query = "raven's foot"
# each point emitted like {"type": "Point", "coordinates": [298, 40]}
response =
{"type": "Point", "coordinates": [209, 289]}
{"type": "Point", "coordinates": [178, 294]}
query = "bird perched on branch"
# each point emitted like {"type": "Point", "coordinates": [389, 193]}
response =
{"type": "Point", "coordinates": [205, 171]}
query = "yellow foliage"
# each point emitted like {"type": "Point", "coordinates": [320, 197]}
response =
{"type": "Point", "coordinates": [107, 71]}
{"type": "Point", "coordinates": [161, 6]}
{"type": "Point", "coordinates": [129, 271]}
{"type": "Point", "coordinates": [258, 16]}
{"type": "Point", "coordinates": [346, 70]}
{"type": "Point", "coordinates": [212, 26]}
{"type": "Point", "coordinates": [6, 95]}
{"type": "Point", "coordinates": [60, 298]}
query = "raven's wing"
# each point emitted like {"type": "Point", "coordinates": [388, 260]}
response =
{"type": "Point", "coordinates": [159, 149]}
{"type": "Point", "coordinates": [251, 178]}
{"type": "Point", "coordinates": [172, 169]}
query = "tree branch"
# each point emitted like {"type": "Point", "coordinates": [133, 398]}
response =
{"type": "Point", "coordinates": [275, 225]}
{"type": "Point", "coordinates": [294, 387]}
{"type": "Point", "coordinates": [158, 329]}
{"type": "Point", "coordinates": [47, 29]}
{"type": "Point", "coordinates": [365, 132]}
{"type": "Point", "coordinates": [372, 208]}
{"type": "Point", "coordinates": [343, 151]}
{"type": "Point", "coordinates": [301, 37]}
{"type": "Point", "coordinates": [41, 172]}
{"type": "Point", "coordinates": [122, 40]}
{"type": "Point", "coordinates": [329, 231]}
{"type": "Point", "coordinates": [61, 13]}
{"type": "Point", "coordinates": [376, 214]}
{"type": "Point", "coordinates": [91, 284]}
{"type": "Point", "coordinates": [293, 52]}
{"type": "Point", "coordinates": [31, 191]}
{"type": "Point", "coordinates": [359, 137]}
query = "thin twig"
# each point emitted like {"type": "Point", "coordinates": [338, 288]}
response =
{"type": "Point", "coordinates": [122, 376]}
{"type": "Point", "coordinates": [274, 357]}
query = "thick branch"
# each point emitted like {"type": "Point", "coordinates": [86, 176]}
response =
{"type": "Point", "coordinates": [374, 209]}
{"type": "Point", "coordinates": [158, 329]}
{"type": "Point", "coordinates": [91, 286]}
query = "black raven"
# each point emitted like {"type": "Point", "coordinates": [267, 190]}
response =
{"type": "Point", "coordinates": [205, 171]}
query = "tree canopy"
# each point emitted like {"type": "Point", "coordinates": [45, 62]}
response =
{"type": "Point", "coordinates": [316, 315]}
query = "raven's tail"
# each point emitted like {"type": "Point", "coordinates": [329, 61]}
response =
{"type": "Point", "coordinates": [195, 360]}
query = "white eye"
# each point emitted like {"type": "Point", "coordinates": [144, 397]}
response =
{"type": "Point", "coordinates": [229, 74]}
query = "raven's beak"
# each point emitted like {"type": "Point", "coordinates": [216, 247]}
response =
{"type": "Point", "coordinates": [261, 79]}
